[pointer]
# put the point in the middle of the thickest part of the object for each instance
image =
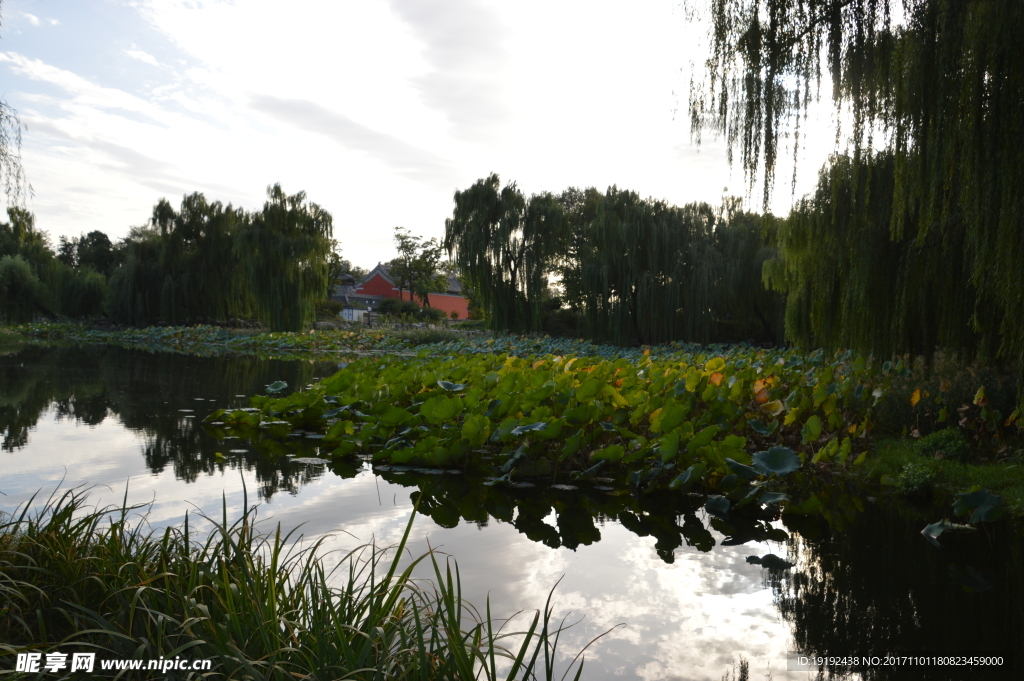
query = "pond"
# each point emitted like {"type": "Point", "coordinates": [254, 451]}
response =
{"type": "Point", "coordinates": [675, 588]}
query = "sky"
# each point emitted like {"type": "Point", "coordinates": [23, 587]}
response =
{"type": "Point", "coordinates": [378, 109]}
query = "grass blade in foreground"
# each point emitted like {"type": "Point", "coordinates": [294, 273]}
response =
{"type": "Point", "coordinates": [76, 579]}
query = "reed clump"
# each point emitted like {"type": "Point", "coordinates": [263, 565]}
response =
{"type": "Point", "coordinates": [256, 604]}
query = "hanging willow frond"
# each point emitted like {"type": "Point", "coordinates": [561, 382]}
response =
{"type": "Point", "coordinates": [938, 94]}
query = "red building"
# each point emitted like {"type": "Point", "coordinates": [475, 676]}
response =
{"type": "Point", "coordinates": [378, 284]}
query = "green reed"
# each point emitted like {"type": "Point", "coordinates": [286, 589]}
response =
{"type": "Point", "coordinates": [257, 604]}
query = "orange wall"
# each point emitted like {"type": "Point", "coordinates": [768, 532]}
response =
{"type": "Point", "coordinates": [379, 286]}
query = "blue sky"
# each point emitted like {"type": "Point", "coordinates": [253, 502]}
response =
{"type": "Point", "coordinates": [378, 109]}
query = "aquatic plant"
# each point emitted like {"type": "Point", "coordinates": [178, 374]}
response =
{"type": "Point", "coordinates": [724, 420]}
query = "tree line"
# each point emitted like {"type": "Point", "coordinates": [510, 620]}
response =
{"type": "Point", "coordinates": [635, 270]}
{"type": "Point", "coordinates": [201, 262]}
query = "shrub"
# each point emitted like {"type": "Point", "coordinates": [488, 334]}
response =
{"type": "Point", "coordinates": [425, 336]}
{"type": "Point", "coordinates": [333, 307]}
{"type": "Point", "coordinates": [20, 290]}
{"type": "Point", "coordinates": [394, 307]}
{"type": "Point", "coordinates": [948, 444]}
{"type": "Point", "coordinates": [916, 480]}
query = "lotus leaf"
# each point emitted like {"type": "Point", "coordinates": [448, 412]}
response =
{"type": "Point", "coordinates": [777, 460]}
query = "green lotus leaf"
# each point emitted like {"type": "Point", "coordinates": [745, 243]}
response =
{"type": "Point", "coordinates": [451, 387]}
{"type": "Point", "coordinates": [529, 428]}
{"type": "Point", "coordinates": [777, 460]}
{"type": "Point", "coordinates": [717, 506]}
{"type": "Point", "coordinates": [982, 504]}
{"type": "Point", "coordinates": [745, 472]}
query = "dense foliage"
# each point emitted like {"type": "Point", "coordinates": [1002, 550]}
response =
{"type": "Point", "coordinates": [503, 244]}
{"type": "Point", "coordinates": [416, 268]}
{"type": "Point", "coordinates": [207, 261]}
{"type": "Point", "coordinates": [34, 282]}
{"type": "Point", "coordinates": [914, 238]}
{"type": "Point", "coordinates": [731, 421]}
{"type": "Point", "coordinates": [639, 271]}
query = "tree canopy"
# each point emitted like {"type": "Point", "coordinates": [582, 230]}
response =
{"type": "Point", "coordinates": [504, 243]}
{"type": "Point", "coordinates": [638, 270]}
{"type": "Point", "coordinates": [207, 261]}
{"type": "Point", "coordinates": [417, 267]}
{"type": "Point", "coordinates": [930, 176]}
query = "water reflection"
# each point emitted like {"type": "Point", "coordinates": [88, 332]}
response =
{"type": "Point", "coordinates": [159, 395]}
{"type": "Point", "coordinates": [879, 587]}
{"type": "Point", "coordinates": [677, 577]}
{"type": "Point", "coordinates": [571, 516]}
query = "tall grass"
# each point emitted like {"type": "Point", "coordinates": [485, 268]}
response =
{"type": "Point", "coordinates": [73, 578]}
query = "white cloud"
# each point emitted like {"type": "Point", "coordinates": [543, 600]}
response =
{"type": "Point", "coordinates": [379, 110]}
{"type": "Point", "coordinates": [142, 56]}
{"type": "Point", "coordinates": [32, 19]}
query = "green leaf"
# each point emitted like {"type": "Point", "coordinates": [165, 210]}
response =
{"type": "Point", "coordinates": [812, 429]}
{"type": "Point", "coordinates": [504, 429]}
{"type": "Point", "coordinates": [760, 428]}
{"type": "Point", "coordinates": [530, 428]}
{"type": "Point", "coordinates": [982, 504]}
{"type": "Point", "coordinates": [718, 506]}
{"type": "Point", "coordinates": [777, 460]}
{"type": "Point", "coordinates": [703, 438]}
{"type": "Point", "coordinates": [571, 446]}
{"type": "Point", "coordinates": [475, 429]}
{"type": "Point", "coordinates": [670, 418]}
{"type": "Point", "coordinates": [395, 416]}
{"type": "Point", "coordinates": [579, 416]}
{"type": "Point", "coordinates": [932, 532]}
{"type": "Point", "coordinates": [451, 387]}
{"type": "Point", "coordinates": [441, 409]}
{"type": "Point", "coordinates": [610, 453]}
{"type": "Point", "coordinates": [669, 446]}
{"type": "Point", "coordinates": [691, 474]}
{"type": "Point", "coordinates": [590, 389]}
{"type": "Point", "coordinates": [715, 364]}
{"type": "Point", "coordinates": [276, 387]}
{"type": "Point", "coordinates": [745, 472]}
{"type": "Point", "coordinates": [340, 429]}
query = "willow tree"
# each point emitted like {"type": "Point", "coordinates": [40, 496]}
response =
{"type": "Point", "coordinates": [285, 250]}
{"type": "Point", "coordinates": [183, 268]}
{"type": "Point", "coordinates": [940, 87]}
{"type": "Point", "coordinates": [12, 173]}
{"type": "Point", "coordinates": [134, 290]}
{"type": "Point", "coordinates": [203, 276]}
{"type": "Point", "coordinates": [505, 246]}
{"type": "Point", "coordinates": [745, 308]}
{"type": "Point", "coordinates": [646, 270]}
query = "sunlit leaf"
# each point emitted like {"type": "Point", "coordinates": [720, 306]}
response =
{"type": "Point", "coordinates": [451, 387]}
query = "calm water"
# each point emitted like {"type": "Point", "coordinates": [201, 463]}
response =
{"type": "Point", "coordinates": [128, 422]}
